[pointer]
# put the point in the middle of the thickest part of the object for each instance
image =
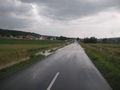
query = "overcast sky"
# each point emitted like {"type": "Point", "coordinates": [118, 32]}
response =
{"type": "Point", "coordinates": [72, 18]}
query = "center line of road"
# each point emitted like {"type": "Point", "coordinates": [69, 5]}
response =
{"type": "Point", "coordinates": [52, 82]}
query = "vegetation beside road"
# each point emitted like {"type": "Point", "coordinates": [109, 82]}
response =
{"type": "Point", "coordinates": [106, 57]}
{"type": "Point", "coordinates": [14, 50]}
{"type": "Point", "coordinates": [19, 66]}
{"type": "Point", "coordinates": [26, 41]}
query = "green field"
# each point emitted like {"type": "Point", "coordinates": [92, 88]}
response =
{"type": "Point", "coordinates": [106, 57]}
{"type": "Point", "coordinates": [26, 41]}
{"type": "Point", "coordinates": [4, 72]}
{"type": "Point", "coordinates": [15, 49]}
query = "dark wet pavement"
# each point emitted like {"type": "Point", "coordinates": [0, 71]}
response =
{"type": "Point", "coordinates": [76, 72]}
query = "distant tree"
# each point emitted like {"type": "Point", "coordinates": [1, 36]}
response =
{"type": "Point", "coordinates": [86, 40]}
{"type": "Point", "coordinates": [78, 39]}
{"type": "Point", "coordinates": [90, 40]}
{"type": "Point", "coordinates": [62, 38]}
{"type": "Point", "coordinates": [93, 40]}
{"type": "Point", "coordinates": [104, 40]}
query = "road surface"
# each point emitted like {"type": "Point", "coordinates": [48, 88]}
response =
{"type": "Point", "coordinates": [69, 68]}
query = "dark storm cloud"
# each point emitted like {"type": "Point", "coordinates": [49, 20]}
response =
{"type": "Point", "coordinates": [12, 14]}
{"type": "Point", "coordinates": [13, 22]}
{"type": "Point", "coordinates": [70, 9]}
{"type": "Point", "coordinates": [55, 9]}
{"type": "Point", "coordinates": [69, 17]}
{"type": "Point", "coordinates": [7, 6]}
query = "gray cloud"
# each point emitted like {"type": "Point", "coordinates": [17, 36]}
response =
{"type": "Point", "coordinates": [13, 23]}
{"type": "Point", "coordinates": [69, 17]}
{"type": "Point", "coordinates": [13, 13]}
{"type": "Point", "coordinates": [71, 9]}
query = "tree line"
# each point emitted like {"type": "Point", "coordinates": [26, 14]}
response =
{"type": "Point", "coordinates": [104, 40]}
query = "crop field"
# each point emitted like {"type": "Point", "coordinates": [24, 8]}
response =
{"type": "Point", "coordinates": [25, 41]}
{"type": "Point", "coordinates": [15, 49]}
{"type": "Point", "coordinates": [106, 57]}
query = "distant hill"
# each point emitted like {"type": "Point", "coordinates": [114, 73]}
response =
{"type": "Point", "coordinates": [115, 40]}
{"type": "Point", "coordinates": [110, 40]}
{"type": "Point", "coordinates": [101, 40]}
{"type": "Point", "coordinates": [7, 33]}
{"type": "Point", "coordinates": [28, 35]}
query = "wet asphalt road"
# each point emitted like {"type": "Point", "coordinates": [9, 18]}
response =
{"type": "Point", "coordinates": [69, 68]}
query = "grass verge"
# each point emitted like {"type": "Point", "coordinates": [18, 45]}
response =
{"type": "Point", "coordinates": [14, 50]}
{"type": "Point", "coordinates": [19, 66]}
{"type": "Point", "coordinates": [106, 57]}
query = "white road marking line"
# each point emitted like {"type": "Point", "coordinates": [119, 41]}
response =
{"type": "Point", "coordinates": [52, 82]}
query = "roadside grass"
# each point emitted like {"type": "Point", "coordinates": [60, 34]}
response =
{"type": "Point", "coordinates": [106, 57]}
{"type": "Point", "coordinates": [19, 66]}
{"type": "Point", "coordinates": [14, 50]}
{"type": "Point", "coordinates": [26, 41]}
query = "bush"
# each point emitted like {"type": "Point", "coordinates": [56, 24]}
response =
{"type": "Point", "coordinates": [90, 40]}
